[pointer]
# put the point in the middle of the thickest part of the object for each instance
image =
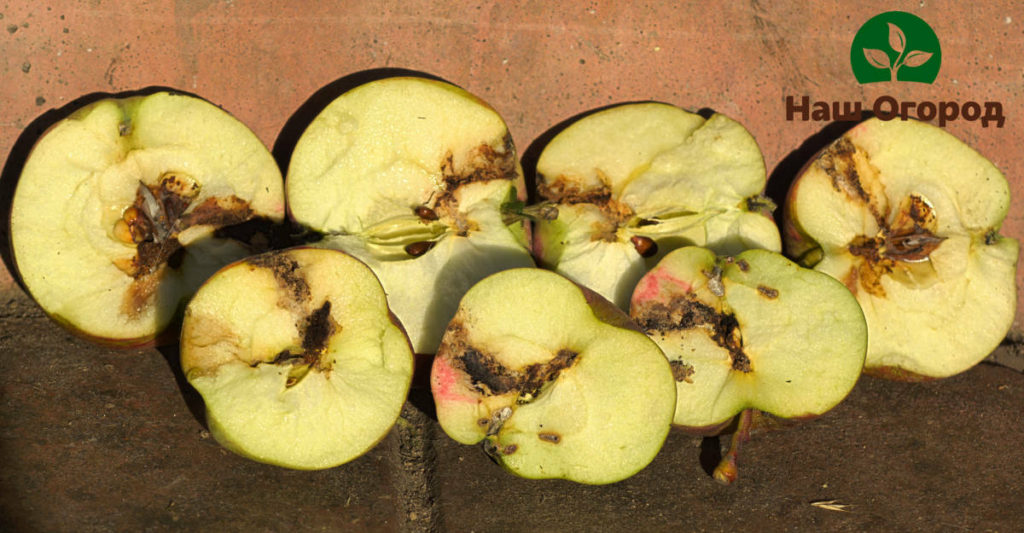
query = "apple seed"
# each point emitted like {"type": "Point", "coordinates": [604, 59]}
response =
{"type": "Point", "coordinates": [419, 248]}
{"type": "Point", "coordinates": [425, 213]}
{"type": "Point", "coordinates": [645, 246]}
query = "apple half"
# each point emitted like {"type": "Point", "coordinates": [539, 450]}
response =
{"type": "Point", "coordinates": [414, 177]}
{"type": "Point", "coordinates": [115, 218]}
{"type": "Point", "coordinates": [297, 357]}
{"type": "Point", "coordinates": [635, 181]}
{"type": "Point", "coordinates": [753, 331]}
{"type": "Point", "coordinates": [552, 380]}
{"type": "Point", "coordinates": [907, 217]}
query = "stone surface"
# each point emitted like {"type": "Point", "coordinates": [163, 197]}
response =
{"type": "Point", "coordinates": [98, 440]}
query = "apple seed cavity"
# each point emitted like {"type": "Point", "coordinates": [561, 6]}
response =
{"type": "Point", "coordinates": [416, 233]}
{"type": "Point", "coordinates": [154, 221]}
{"type": "Point", "coordinates": [904, 237]}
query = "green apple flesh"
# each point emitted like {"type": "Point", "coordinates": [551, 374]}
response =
{"type": "Point", "coordinates": [115, 216]}
{"type": "Point", "coordinates": [751, 331]}
{"type": "Point", "coordinates": [908, 217]}
{"type": "Point", "coordinates": [550, 378]}
{"type": "Point", "coordinates": [410, 176]}
{"type": "Point", "coordinates": [636, 181]}
{"type": "Point", "coordinates": [297, 358]}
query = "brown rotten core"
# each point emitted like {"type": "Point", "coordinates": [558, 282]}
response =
{"type": "Point", "coordinates": [687, 312]}
{"type": "Point", "coordinates": [153, 222]}
{"type": "Point", "coordinates": [491, 377]}
{"type": "Point", "coordinates": [908, 238]}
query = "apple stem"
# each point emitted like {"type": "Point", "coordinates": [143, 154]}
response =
{"type": "Point", "coordinates": [727, 471]}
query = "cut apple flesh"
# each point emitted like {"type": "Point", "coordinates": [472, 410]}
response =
{"type": "Point", "coordinates": [296, 357]}
{"type": "Point", "coordinates": [754, 331]}
{"type": "Point", "coordinates": [552, 389]}
{"type": "Point", "coordinates": [908, 217]}
{"type": "Point", "coordinates": [114, 219]}
{"type": "Point", "coordinates": [636, 181]}
{"type": "Point", "coordinates": [410, 176]}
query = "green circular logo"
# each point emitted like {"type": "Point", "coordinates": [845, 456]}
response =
{"type": "Point", "coordinates": [895, 46]}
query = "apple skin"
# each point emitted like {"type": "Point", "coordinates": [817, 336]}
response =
{"type": "Point", "coordinates": [168, 333]}
{"type": "Point", "coordinates": [805, 250]}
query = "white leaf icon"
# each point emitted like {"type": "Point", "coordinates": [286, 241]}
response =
{"type": "Point", "coordinates": [896, 38]}
{"type": "Point", "coordinates": [916, 58]}
{"type": "Point", "coordinates": [877, 58]}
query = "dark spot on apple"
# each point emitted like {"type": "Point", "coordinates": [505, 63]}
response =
{"type": "Point", "coordinates": [760, 204]}
{"type": "Point", "coordinates": [482, 164]}
{"type": "Point", "coordinates": [687, 312]}
{"type": "Point", "coordinates": [218, 211]}
{"type": "Point", "coordinates": [509, 450]}
{"type": "Point", "coordinates": [645, 246]}
{"type": "Point", "coordinates": [743, 265]}
{"type": "Point", "coordinates": [681, 371]}
{"type": "Point", "coordinates": [991, 237]}
{"type": "Point", "coordinates": [417, 249]}
{"type": "Point", "coordinates": [553, 438]}
{"type": "Point", "coordinates": [491, 377]}
{"type": "Point", "coordinates": [317, 329]}
{"type": "Point", "coordinates": [767, 292]}
{"type": "Point", "coordinates": [741, 362]}
{"type": "Point", "coordinates": [482, 422]}
{"type": "Point", "coordinates": [568, 191]}
{"type": "Point", "coordinates": [838, 160]}
{"type": "Point", "coordinates": [286, 272]}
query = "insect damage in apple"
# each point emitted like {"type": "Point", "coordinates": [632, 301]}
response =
{"type": "Point", "coordinates": [749, 332]}
{"type": "Point", "coordinates": [908, 218]}
{"type": "Point", "coordinates": [633, 182]}
{"type": "Point", "coordinates": [544, 375]}
{"type": "Point", "coordinates": [122, 210]}
{"type": "Point", "coordinates": [419, 179]}
{"type": "Point", "coordinates": [297, 357]}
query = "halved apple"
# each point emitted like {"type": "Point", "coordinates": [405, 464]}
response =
{"type": "Point", "coordinates": [297, 357]}
{"type": "Point", "coordinates": [552, 380]}
{"type": "Point", "coordinates": [114, 220]}
{"type": "Point", "coordinates": [410, 175]}
{"type": "Point", "coordinates": [633, 182]}
{"type": "Point", "coordinates": [751, 331]}
{"type": "Point", "coordinates": [908, 217]}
